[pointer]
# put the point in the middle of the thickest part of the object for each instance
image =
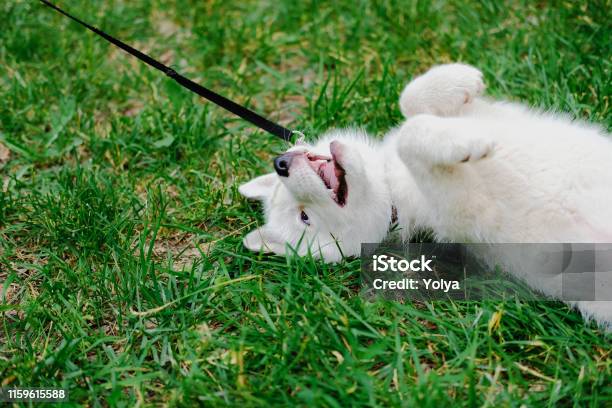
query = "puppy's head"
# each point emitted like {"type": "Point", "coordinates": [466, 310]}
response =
{"type": "Point", "coordinates": [325, 198]}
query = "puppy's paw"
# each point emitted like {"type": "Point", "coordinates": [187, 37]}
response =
{"type": "Point", "coordinates": [460, 150]}
{"type": "Point", "coordinates": [474, 150]}
{"type": "Point", "coordinates": [442, 141]}
{"type": "Point", "coordinates": [442, 91]}
{"type": "Point", "coordinates": [468, 81]}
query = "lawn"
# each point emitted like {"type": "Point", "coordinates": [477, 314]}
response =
{"type": "Point", "coordinates": [122, 272]}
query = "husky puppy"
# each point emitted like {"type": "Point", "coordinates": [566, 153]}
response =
{"type": "Point", "coordinates": [466, 168]}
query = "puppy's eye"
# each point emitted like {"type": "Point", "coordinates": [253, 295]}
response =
{"type": "Point", "coordinates": [304, 218]}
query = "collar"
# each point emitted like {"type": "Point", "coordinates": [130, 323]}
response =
{"type": "Point", "coordinates": [394, 219]}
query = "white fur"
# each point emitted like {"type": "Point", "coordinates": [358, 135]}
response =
{"type": "Point", "coordinates": [467, 168]}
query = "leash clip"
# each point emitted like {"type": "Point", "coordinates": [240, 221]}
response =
{"type": "Point", "coordinates": [301, 138]}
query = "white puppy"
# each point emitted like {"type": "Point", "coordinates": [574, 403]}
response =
{"type": "Point", "coordinates": [467, 168]}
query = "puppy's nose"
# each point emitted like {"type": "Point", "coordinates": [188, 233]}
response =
{"type": "Point", "coordinates": [282, 164]}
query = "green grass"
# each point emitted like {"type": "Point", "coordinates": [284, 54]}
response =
{"type": "Point", "coordinates": [122, 273]}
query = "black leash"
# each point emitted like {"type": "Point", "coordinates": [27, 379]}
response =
{"type": "Point", "coordinates": [244, 113]}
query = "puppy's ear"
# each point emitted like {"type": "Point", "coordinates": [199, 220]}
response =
{"type": "Point", "coordinates": [260, 187]}
{"type": "Point", "coordinates": [262, 239]}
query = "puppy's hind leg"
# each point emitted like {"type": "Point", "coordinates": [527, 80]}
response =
{"type": "Point", "coordinates": [436, 141]}
{"type": "Point", "coordinates": [444, 90]}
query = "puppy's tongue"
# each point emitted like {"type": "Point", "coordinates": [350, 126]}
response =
{"type": "Point", "coordinates": [326, 169]}
{"type": "Point", "coordinates": [329, 175]}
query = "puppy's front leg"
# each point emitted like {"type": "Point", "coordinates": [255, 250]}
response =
{"type": "Point", "coordinates": [442, 91]}
{"type": "Point", "coordinates": [436, 141]}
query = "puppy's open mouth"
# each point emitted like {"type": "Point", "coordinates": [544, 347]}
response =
{"type": "Point", "coordinates": [332, 175]}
